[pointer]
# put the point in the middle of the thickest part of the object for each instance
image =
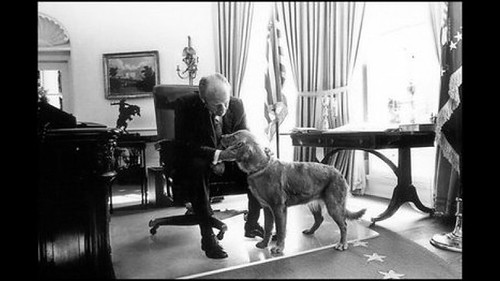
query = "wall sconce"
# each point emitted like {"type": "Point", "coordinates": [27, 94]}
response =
{"type": "Point", "coordinates": [191, 61]}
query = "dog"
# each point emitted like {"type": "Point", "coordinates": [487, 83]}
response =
{"type": "Point", "coordinates": [278, 184]}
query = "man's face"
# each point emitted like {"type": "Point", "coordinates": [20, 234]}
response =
{"type": "Point", "coordinates": [217, 99]}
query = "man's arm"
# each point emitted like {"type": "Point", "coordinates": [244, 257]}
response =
{"type": "Point", "coordinates": [239, 122]}
{"type": "Point", "coordinates": [187, 140]}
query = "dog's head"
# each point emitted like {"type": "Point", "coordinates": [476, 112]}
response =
{"type": "Point", "coordinates": [238, 138]}
{"type": "Point", "coordinates": [249, 154]}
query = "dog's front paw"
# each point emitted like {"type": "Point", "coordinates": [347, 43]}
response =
{"type": "Point", "coordinates": [261, 245]}
{"type": "Point", "coordinates": [340, 246]}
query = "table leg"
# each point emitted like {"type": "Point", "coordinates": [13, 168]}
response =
{"type": "Point", "coordinates": [396, 201]}
{"type": "Point", "coordinates": [413, 197]}
{"type": "Point", "coordinates": [404, 191]}
{"type": "Point", "coordinates": [401, 195]}
{"type": "Point", "coordinates": [144, 187]}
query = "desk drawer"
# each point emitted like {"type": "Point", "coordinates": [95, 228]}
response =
{"type": "Point", "coordinates": [360, 141]}
{"type": "Point", "coordinates": [365, 140]}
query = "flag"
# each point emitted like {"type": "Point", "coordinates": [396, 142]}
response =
{"type": "Point", "coordinates": [275, 108]}
{"type": "Point", "coordinates": [449, 117]}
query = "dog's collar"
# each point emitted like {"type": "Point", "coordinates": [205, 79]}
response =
{"type": "Point", "coordinates": [261, 169]}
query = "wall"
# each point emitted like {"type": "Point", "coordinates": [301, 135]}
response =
{"type": "Point", "coordinates": [96, 28]}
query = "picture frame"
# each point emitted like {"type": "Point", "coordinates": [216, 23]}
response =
{"type": "Point", "coordinates": [130, 74]}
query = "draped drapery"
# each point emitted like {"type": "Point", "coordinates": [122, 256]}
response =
{"type": "Point", "coordinates": [344, 36]}
{"type": "Point", "coordinates": [447, 184]}
{"type": "Point", "coordinates": [234, 21]}
{"type": "Point", "coordinates": [438, 16]}
{"type": "Point", "coordinates": [322, 40]}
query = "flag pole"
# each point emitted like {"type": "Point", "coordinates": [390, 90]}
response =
{"type": "Point", "coordinates": [277, 135]}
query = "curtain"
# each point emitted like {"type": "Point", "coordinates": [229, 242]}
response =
{"type": "Point", "coordinates": [234, 21]}
{"type": "Point", "coordinates": [447, 185]}
{"type": "Point", "coordinates": [438, 16]}
{"type": "Point", "coordinates": [322, 39]}
{"type": "Point", "coordinates": [301, 25]}
{"type": "Point", "coordinates": [344, 31]}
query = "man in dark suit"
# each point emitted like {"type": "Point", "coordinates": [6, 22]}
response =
{"type": "Point", "coordinates": [200, 119]}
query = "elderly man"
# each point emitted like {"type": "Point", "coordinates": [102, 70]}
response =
{"type": "Point", "coordinates": [200, 121]}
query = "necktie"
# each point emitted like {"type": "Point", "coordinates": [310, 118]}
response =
{"type": "Point", "coordinates": [217, 127]}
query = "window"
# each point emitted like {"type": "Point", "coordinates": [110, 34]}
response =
{"type": "Point", "coordinates": [53, 62]}
{"type": "Point", "coordinates": [396, 80]}
{"type": "Point", "coordinates": [50, 81]}
{"type": "Point", "coordinates": [253, 92]}
{"type": "Point", "coordinates": [402, 69]}
{"type": "Point", "coordinates": [401, 77]}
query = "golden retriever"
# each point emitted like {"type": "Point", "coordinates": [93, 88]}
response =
{"type": "Point", "coordinates": [278, 184]}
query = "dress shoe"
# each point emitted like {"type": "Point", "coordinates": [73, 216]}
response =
{"type": "Point", "coordinates": [212, 248]}
{"type": "Point", "coordinates": [254, 230]}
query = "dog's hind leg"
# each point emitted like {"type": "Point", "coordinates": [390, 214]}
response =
{"type": "Point", "coordinates": [337, 212]}
{"type": "Point", "coordinates": [339, 218]}
{"type": "Point", "coordinates": [316, 210]}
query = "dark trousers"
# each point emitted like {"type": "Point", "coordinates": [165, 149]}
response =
{"type": "Point", "coordinates": [196, 176]}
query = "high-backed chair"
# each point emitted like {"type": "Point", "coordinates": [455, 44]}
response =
{"type": "Point", "coordinates": [164, 102]}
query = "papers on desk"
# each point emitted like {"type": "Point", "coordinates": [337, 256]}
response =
{"type": "Point", "coordinates": [416, 127]}
{"type": "Point", "coordinates": [354, 127]}
{"type": "Point", "coordinates": [366, 127]}
{"type": "Point", "coordinates": [309, 130]}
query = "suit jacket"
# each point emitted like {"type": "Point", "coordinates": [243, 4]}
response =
{"type": "Point", "coordinates": [194, 133]}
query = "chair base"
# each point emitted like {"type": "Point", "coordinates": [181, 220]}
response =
{"type": "Point", "coordinates": [191, 219]}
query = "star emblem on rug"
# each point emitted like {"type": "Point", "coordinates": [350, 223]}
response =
{"type": "Point", "coordinates": [391, 274]}
{"type": "Point", "coordinates": [375, 257]}
{"type": "Point", "coordinates": [360, 243]}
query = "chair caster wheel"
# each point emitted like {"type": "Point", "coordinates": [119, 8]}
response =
{"type": "Point", "coordinates": [152, 231]}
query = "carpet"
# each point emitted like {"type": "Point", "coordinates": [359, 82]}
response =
{"type": "Point", "coordinates": [388, 255]}
{"type": "Point", "coordinates": [174, 251]}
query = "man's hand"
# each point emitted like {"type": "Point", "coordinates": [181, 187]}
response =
{"type": "Point", "coordinates": [228, 154]}
{"type": "Point", "coordinates": [219, 168]}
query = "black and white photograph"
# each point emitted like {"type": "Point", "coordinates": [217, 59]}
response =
{"type": "Point", "coordinates": [249, 140]}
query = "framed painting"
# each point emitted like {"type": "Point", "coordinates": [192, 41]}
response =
{"type": "Point", "coordinates": [130, 75]}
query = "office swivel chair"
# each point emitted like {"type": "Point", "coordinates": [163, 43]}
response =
{"type": "Point", "coordinates": [164, 97]}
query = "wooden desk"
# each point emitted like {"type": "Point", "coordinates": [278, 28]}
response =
{"type": "Point", "coordinates": [370, 141]}
{"type": "Point", "coordinates": [75, 168]}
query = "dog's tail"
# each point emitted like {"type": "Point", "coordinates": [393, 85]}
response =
{"type": "Point", "coordinates": [355, 215]}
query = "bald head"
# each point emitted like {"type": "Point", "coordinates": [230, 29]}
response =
{"type": "Point", "coordinates": [215, 91]}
